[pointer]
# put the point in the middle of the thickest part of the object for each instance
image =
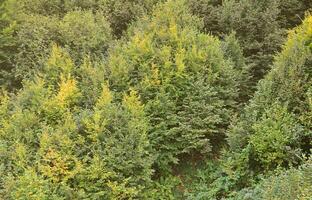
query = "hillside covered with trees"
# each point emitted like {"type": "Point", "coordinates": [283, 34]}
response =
{"type": "Point", "coordinates": [155, 99]}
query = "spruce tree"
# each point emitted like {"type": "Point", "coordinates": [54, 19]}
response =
{"type": "Point", "coordinates": [288, 82]}
{"type": "Point", "coordinates": [260, 27]}
{"type": "Point", "coordinates": [66, 151]}
{"type": "Point", "coordinates": [168, 61]}
{"type": "Point", "coordinates": [274, 130]}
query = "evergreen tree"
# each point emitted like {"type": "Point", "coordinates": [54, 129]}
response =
{"type": "Point", "coordinates": [63, 150]}
{"type": "Point", "coordinates": [260, 26]}
{"type": "Point", "coordinates": [31, 27]}
{"type": "Point", "coordinates": [168, 61]}
{"type": "Point", "coordinates": [118, 137]}
{"type": "Point", "coordinates": [145, 99]}
{"type": "Point", "coordinates": [121, 13]}
{"type": "Point", "coordinates": [271, 131]}
{"type": "Point", "coordinates": [291, 184]}
{"type": "Point", "coordinates": [288, 82]}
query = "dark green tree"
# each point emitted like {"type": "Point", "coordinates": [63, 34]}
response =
{"type": "Point", "coordinates": [260, 26]}
{"type": "Point", "coordinates": [177, 71]}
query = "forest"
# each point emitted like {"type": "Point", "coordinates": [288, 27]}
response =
{"type": "Point", "coordinates": [156, 99]}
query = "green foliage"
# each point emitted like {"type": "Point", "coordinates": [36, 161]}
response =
{"type": "Point", "coordinates": [276, 138]}
{"type": "Point", "coordinates": [90, 77]}
{"type": "Point", "coordinates": [121, 13]}
{"type": "Point", "coordinates": [121, 133]}
{"type": "Point", "coordinates": [188, 86]}
{"type": "Point", "coordinates": [83, 33]}
{"type": "Point", "coordinates": [52, 8]}
{"type": "Point", "coordinates": [164, 188]}
{"type": "Point", "coordinates": [259, 26]}
{"type": "Point", "coordinates": [159, 113]}
{"type": "Point", "coordinates": [48, 140]}
{"type": "Point", "coordinates": [7, 46]}
{"type": "Point", "coordinates": [288, 82]}
{"type": "Point", "coordinates": [79, 32]}
{"type": "Point", "coordinates": [306, 118]}
{"type": "Point", "coordinates": [28, 29]}
{"type": "Point", "coordinates": [291, 184]}
{"type": "Point", "coordinates": [256, 28]}
{"type": "Point", "coordinates": [292, 12]}
{"type": "Point", "coordinates": [31, 186]}
{"type": "Point", "coordinates": [271, 131]}
{"type": "Point", "coordinates": [31, 28]}
{"type": "Point", "coordinates": [234, 52]}
{"type": "Point", "coordinates": [207, 182]}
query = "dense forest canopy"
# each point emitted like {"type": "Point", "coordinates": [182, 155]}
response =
{"type": "Point", "coordinates": [155, 99]}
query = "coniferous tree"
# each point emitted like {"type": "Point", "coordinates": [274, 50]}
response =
{"type": "Point", "coordinates": [260, 26]}
{"type": "Point", "coordinates": [145, 99]}
{"type": "Point", "coordinates": [118, 137]}
{"type": "Point", "coordinates": [31, 27]}
{"type": "Point", "coordinates": [66, 152]}
{"type": "Point", "coordinates": [288, 81]}
{"type": "Point", "coordinates": [166, 55]}
{"type": "Point", "coordinates": [271, 131]}
{"type": "Point", "coordinates": [290, 184]}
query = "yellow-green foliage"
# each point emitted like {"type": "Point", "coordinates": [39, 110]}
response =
{"type": "Point", "coordinates": [58, 62]}
{"type": "Point", "coordinates": [118, 135]}
{"type": "Point", "coordinates": [90, 77]}
{"type": "Point", "coordinates": [31, 186]}
{"type": "Point", "coordinates": [136, 121]}
{"type": "Point", "coordinates": [40, 24]}
{"type": "Point", "coordinates": [170, 63]}
{"type": "Point", "coordinates": [275, 139]}
{"type": "Point", "coordinates": [48, 140]}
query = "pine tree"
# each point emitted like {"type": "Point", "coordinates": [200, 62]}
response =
{"type": "Point", "coordinates": [66, 151]}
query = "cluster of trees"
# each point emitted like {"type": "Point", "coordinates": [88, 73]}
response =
{"type": "Point", "coordinates": [260, 27]}
{"type": "Point", "coordinates": [146, 99]}
{"type": "Point", "coordinates": [273, 131]}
